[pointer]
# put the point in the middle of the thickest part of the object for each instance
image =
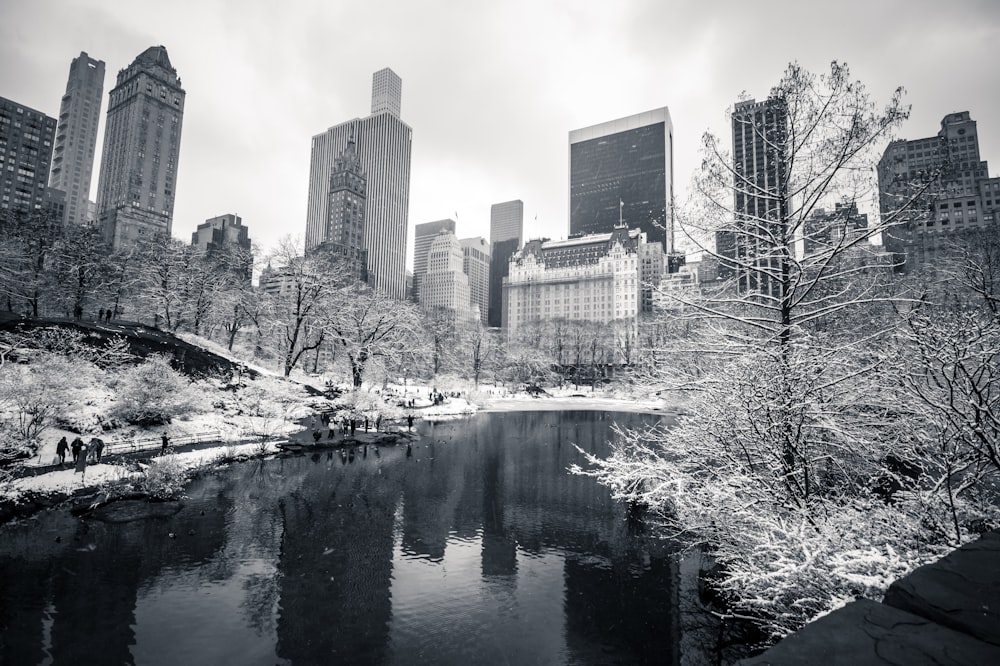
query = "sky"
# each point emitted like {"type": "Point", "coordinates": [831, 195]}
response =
{"type": "Point", "coordinates": [491, 88]}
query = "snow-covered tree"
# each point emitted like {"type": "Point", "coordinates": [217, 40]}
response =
{"type": "Point", "coordinates": [789, 422]}
{"type": "Point", "coordinates": [366, 324]}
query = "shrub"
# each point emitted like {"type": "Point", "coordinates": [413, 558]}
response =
{"type": "Point", "coordinates": [152, 394]}
{"type": "Point", "coordinates": [164, 478]}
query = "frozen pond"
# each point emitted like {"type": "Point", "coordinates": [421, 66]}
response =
{"type": "Point", "coordinates": [479, 548]}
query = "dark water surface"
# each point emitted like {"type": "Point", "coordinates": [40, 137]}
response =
{"type": "Point", "coordinates": [478, 549]}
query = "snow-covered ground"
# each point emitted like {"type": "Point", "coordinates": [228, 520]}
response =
{"type": "Point", "coordinates": [233, 431]}
{"type": "Point", "coordinates": [97, 475]}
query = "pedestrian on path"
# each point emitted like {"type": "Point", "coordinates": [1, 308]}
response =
{"type": "Point", "coordinates": [165, 442]}
{"type": "Point", "coordinates": [409, 421]}
{"type": "Point", "coordinates": [75, 448]}
{"type": "Point", "coordinates": [61, 448]}
{"type": "Point", "coordinates": [96, 448]}
{"type": "Point", "coordinates": [81, 460]}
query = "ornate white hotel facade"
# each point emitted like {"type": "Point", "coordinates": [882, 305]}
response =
{"type": "Point", "coordinates": [383, 147]}
{"type": "Point", "coordinates": [599, 278]}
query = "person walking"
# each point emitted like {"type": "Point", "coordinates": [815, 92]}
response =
{"type": "Point", "coordinates": [409, 421]}
{"type": "Point", "coordinates": [81, 460]}
{"type": "Point", "coordinates": [165, 443]}
{"type": "Point", "coordinates": [75, 448]}
{"type": "Point", "coordinates": [61, 448]}
{"type": "Point", "coordinates": [97, 447]}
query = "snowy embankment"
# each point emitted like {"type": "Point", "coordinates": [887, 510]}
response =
{"type": "Point", "coordinates": [67, 481]}
{"type": "Point", "coordinates": [240, 435]}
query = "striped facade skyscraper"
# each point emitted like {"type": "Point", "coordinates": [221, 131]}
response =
{"type": "Point", "coordinates": [383, 148]}
{"type": "Point", "coordinates": [747, 250]}
{"type": "Point", "coordinates": [76, 136]}
{"type": "Point", "coordinates": [142, 141]}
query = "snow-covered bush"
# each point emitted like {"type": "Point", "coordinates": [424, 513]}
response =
{"type": "Point", "coordinates": [164, 478]}
{"type": "Point", "coordinates": [31, 395]}
{"type": "Point", "coordinates": [780, 482]}
{"type": "Point", "coordinates": [152, 394]}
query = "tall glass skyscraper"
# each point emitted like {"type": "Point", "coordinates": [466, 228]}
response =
{"type": "Point", "coordinates": [383, 148]}
{"type": "Point", "coordinates": [142, 142]}
{"type": "Point", "coordinates": [76, 136]}
{"type": "Point", "coordinates": [506, 238]}
{"type": "Point", "coordinates": [622, 170]}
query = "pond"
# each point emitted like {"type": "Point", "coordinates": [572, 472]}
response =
{"type": "Point", "coordinates": [478, 548]}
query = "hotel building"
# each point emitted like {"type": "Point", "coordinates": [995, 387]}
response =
{"type": "Point", "coordinates": [142, 142]}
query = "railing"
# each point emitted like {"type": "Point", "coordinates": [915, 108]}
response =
{"type": "Point", "coordinates": [137, 444]}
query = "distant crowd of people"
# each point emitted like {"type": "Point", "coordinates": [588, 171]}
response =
{"type": "Point", "coordinates": [82, 452]}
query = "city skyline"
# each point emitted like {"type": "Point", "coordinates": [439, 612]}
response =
{"type": "Point", "coordinates": [490, 115]}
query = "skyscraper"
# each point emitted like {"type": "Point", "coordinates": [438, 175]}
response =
{"type": "Point", "coordinates": [345, 229]}
{"type": "Point", "coordinates": [76, 136]}
{"type": "Point", "coordinates": [444, 285]}
{"type": "Point", "coordinates": [955, 193]}
{"type": "Point", "coordinates": [622, 171]}
{"type": "Point", "coordinates": [26, 139]}
{"type": "Point", "coordinates": [476, 264]}
{"type": "Point", "coordinates": [506, 237]}
{"type": "Point", "coordinates": [423, 236]}
{"type": "Point", "coordinates": [217, 234]}
{"type": "Point", "coordinates": [760, 185]}
{"type": "Point", "coordinates": [383, 149]}
{"type": "Point", "coordinates": [142, 140]}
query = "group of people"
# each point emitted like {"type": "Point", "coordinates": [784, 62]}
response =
{"type": "Point", "coordinates": [104, 315]}
{"type": "Point", "coordinates": [328, 422]}
{"type": "Point", "coordinates": [82, 451]}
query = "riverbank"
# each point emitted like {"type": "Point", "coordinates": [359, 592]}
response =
{"type": "Point", "coordinates": [46, 485]}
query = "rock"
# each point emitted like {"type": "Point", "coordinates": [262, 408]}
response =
{"type": "Point", "coordinates": [960, 591]}
{"type": "Point", "coordinates": [867, 632]}
{"type": "Point", "coordinates": [126, 511]}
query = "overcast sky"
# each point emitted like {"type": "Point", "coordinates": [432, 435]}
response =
{"type": "Point", "coordinates": [491, 89]}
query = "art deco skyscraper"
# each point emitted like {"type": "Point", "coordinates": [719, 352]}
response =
{"type": "Point", "coordinates": [423, 236]}
{"type": "Point", "coordinates": [76, 135]}
{"type": "Point", "coordinates": [383, 147]}
{"type": "Point", "coordinates": [622, 170]}
{"type": "Point", "coordinates": [506, 237]}
{"type": "Point", "coordinates": [961, 199]}
{"type": "Point", "coordinates": [345, 230]}
{"type": "Point", "coordinates": [142, 140]}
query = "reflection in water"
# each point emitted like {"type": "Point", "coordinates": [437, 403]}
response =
{"type": "Point", "coordinates": [477, 547]}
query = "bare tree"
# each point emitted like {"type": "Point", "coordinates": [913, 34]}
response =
{"type": "Point", "coordinates": [788, 423]}
{"type": "Point", "coordinates": [367, 324]}
{"type": "Point", "coordinates": [79, 268]}
{"type": "Point", "coordinates": [306, 296]}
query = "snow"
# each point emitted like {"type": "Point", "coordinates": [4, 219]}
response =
{"type": "Point", "coordinates": [234, 431]}
{"type": "Point", "coordinates": [99, 474]}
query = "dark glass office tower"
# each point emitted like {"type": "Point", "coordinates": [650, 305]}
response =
{"type": "Point", "coordinates": [622, 171]}
{"type": "Point", "coordinates": [506, 236]}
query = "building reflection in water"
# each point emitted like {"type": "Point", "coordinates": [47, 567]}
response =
{"type": "Point", "coordinates": [478, 547]}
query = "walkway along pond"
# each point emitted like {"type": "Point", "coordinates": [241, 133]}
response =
{"type": "Point", "coordinates": [476, 546]}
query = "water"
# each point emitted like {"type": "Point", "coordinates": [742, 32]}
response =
{"type": "Point", "coordinates": [478, 549]}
